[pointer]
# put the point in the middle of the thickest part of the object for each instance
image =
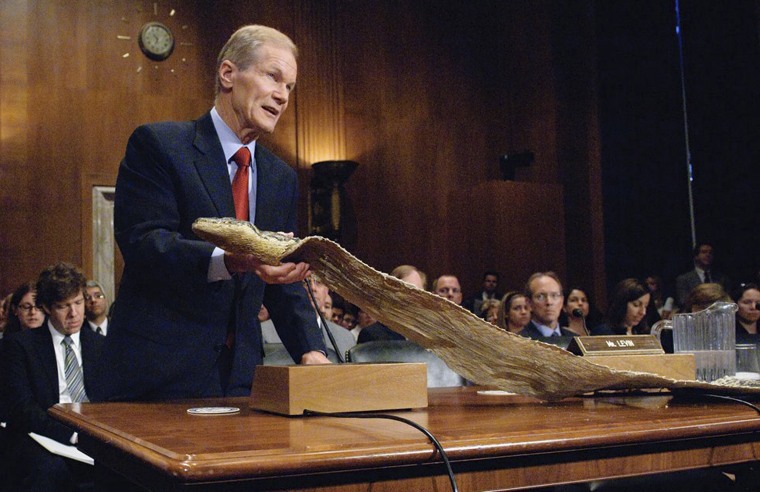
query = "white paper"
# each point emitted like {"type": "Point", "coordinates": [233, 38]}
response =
{"type": "Point", "coordinates": [56, 447]}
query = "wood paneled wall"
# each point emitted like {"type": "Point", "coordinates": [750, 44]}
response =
{"type": "Point", "coordinates": [424, 95]}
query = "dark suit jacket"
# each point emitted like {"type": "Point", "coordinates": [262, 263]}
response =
{"type": "Point", "coordinates": [687, 281]}
{"type": "Point", "coordinates": [169, 323]}
{"type": "Point", "coordinates": [532, 331]}
{"type": "Point", "coordinates": [376, 332]}
{"type": "Point", "coordinates": [30, 379]}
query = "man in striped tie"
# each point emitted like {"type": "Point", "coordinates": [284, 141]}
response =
{"type": "Point", "coordinates": [43, 367]}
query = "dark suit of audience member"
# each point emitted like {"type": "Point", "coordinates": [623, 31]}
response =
{"type": "Point", "coordinates": [531, 331]}
{"type": "Point", "coordinates": [31, 387]}
{"type": "Point", "coordinates": [701, 273]}
{"type": "Point", "coordinates": [378, 332]}
{"type": "Point", "coordinates": [180, 328]}
{"type": "Point", "coordinates": [489, 291]}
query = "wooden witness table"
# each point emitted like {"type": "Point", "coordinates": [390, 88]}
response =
{"type": "Point", "coordinates": [495, 442]}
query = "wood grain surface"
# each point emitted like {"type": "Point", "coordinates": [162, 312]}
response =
{"type": "Point", "coordinates": [494, 441]}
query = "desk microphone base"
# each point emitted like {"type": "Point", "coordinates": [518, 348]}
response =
{"type": "Point", "coordinates": [289, 390]}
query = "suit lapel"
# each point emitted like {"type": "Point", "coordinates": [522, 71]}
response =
{"type": "Point", "coordinates": [43, 345]}
{"type": "Point", "coordinates": [211, 166]}
{"type": "Point", "coordinates": [90, 353]}
{"type": "Point", "coordinates": [265, 190]}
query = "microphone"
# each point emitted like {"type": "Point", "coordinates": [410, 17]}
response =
{"type": "Point", "coordinates": [324, 323]}
{"type": "Point", "coordinates": [757, 305]}
{"type": "Point", "coordinates": [579, 314]}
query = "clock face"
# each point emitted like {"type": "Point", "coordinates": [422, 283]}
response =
{"type": "Point", "coordinates": [156, 41]}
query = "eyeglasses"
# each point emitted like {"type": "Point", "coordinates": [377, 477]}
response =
{"type": "Point", "coordinates": [28, 307]}
{"type": "Point", "coordinates": [95, 296]}
{"type": "Point", "coordinates": [543, 297]}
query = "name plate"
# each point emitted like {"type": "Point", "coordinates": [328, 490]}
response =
{"type": "Point", "coordinates": [616, 345]}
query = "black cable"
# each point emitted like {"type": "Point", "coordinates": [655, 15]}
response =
{"type": "Point", "coordinates": [324, 323]}
{"type": "Point", "coordinates": [358, 415]}
{"type": "Point", "coordinates": [734, 399]}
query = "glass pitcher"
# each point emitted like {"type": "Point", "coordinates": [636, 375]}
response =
{"type": "Point", "coordinates": [710, 335]}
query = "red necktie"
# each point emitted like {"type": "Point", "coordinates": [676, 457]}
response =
{"type": "Point", "coordinates": [240, 183]}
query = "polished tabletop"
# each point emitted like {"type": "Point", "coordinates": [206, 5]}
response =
{"type": "Point", "coordinates": [495, 441]}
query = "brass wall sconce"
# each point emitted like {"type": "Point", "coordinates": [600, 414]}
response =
{"type": "Point", "coordinates": [328, 200]}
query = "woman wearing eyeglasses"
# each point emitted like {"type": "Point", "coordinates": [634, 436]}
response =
{"type": "Point", "coordinates": [25, 314]}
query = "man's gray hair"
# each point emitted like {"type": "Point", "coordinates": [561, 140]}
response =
{"type": "Point", "coordinates": [243, 46]}
{"type": "Point", "coordinates": [94, 283]}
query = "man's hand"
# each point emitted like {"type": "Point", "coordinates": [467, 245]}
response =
{"type": "Point", "coordinates": [314, 357]}
{"type": "Point", "coordinates": [287, 273]}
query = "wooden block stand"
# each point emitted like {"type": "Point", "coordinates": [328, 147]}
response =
{"type": "Point", "coordinates": [672, 366]}
{"type": "Point", "coordinates": [289, 390]}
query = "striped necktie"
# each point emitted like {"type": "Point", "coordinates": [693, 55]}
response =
{"type": "Point", "coordinates": [74, 380]}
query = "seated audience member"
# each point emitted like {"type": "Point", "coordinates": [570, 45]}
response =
{"type": "Point", "coordinates": [327, 307]}
{"type": "Point", "coordinates": [25, 311]}
{"type": "Point", "coordinates": [350, 312]}
{"type": "Point", "coordinates": [702, 273]}
{"type": "Point", "coordinates": [448, 286]}
{"type": "Point", "coordinates": [44, 367]}
{"type": "Point", "coordinates": [490, 310]}
{"type": "Point", "coordinates": [363, 320]}
{"type": "Point", "coordinates": [575, 312]}
{"type": "Point", "coordinates": [514, 312]}
{"type": "Point", "coordinates": [703, 296]}
{"type": "Point", "coordinates": [747, 298]}
{"type": "Point", "coordinates": [489, 291]}
{"type": "Point", "coordinates": [337, 308]}
{"type": "Point", "coordinates": [378, 331]}
{"type": "Point", "coordinates": [627, 311]}
{"type": "Point", "coordinates": [5, 310]}
{"type": "Point", "coordinates": [544, 293]}
{"type": "Point", "coordinates": [662, 304]}
{"type": "Point", "coordinates": [343, 339]}
{"type": "Point", "coordinates": [96, 308]}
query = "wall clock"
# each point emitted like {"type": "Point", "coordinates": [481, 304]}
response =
{"type": "Point", "coordinates": [156, 41]}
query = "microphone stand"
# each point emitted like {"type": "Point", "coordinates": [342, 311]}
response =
{"type": "Point", "coordinates": [324, 323]}
{"type": "Point", "coordinates": [579, 314]}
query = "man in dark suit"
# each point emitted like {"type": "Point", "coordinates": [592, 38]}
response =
{"type": "Point", "coordinates": [544, 293]}
{"type": "Point", "coordinates": [702, 272]}
{"type": "Point", "coordinates": [96, 308]}
{"type": "Point", "coordinates": [185, 319]}
{"type": "Point", "coordinates": [37, 375]}
{"type": "Point", "coordinates": [489, 291]}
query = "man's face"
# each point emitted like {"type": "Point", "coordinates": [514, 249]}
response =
{"type": "Point", "coordinates": [95, 303]}
{"type": "Point", "coordinates": [490, 282]}
{"type": "Point", "coordinates": [260, 93]}
{"type": "Point", "coordinates": [337, 314]}
{"type": "Point", "coordinates": [67, 316]}
{"type": "Point", "coordinates": [704, 256]}
{"type": "Point", "coordinates": [348, 321]}
{"type": "Point", "coordinates": [320, 291]}
{"type": "Point", "coordinates": [546, 300]}
{"type": "Point", "coordinates": [327, 308]}
{"type": "Point", "coordinates": [448, 287]}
